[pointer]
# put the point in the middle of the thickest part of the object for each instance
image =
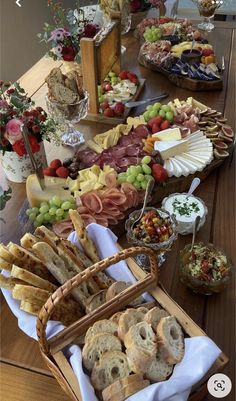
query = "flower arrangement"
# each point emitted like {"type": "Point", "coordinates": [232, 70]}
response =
{"type": "Point", "coordinates": [16, 108]}
{"type": "Point", "coordinates": [142, 5]}
{"type": "Point", "coordinates": [69, 27]}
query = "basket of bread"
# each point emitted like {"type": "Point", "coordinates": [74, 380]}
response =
{"type": "Point", "coordinates": [101, 333]}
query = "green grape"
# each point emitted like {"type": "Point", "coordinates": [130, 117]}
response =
{"type": "Point", "coordinates": [44, 203]}
{"type": "Point", "coordinates": [146, 169]}
{"type": "Point", "coordinates": [120, 180]}
{"type": "Point", "coordinates": [122, 174]}
{"type": "Point", "coordinates": [102, 98]}
{"type": "Point", "coordinates": [146, 160]}
{"type": "Point", "coordinates": [112, 74]}
{"type": "Point", "coordinates": [58, 218]}
{"type": "Point", "coordinates": [148, 177]}
{"type": "Point", "coordinates": [36, 224]}
{"type": "Point", "coordinates": [149, 107]}
{"type": "Point", "coordinates": [28, 212]}
{"type": "Point", "coordinates": [114, 81]}
{"type": "Point", "coordinates": [140, 177]}
{"type": "Point", "coordinates": [59, 212]}
{"type": "Point", "coordinates": [144, 184]}
{"type": "Point", "coordinates": [44, 209]}
{"type": "Point", "coordinates": [99, 89]}
{"type": "Point", "coordinates": [66, 215]}
{"type": "Point", "coordinates": [66, 205]}
{"type": "Point", "coordinates": [153, 113]}
{"type": "Point", "coordinates": [40, 218]}
{"type": "Point", "coordinates": [137, 184]}
{"type": "Point", "coordinates": [51, 202]}
{"type": "Point", "coordinates": [146, 116]}
{"type": "Point", "coordinates": [73, 206]}
{"type": "Point", "coordinates": [131, 179]}
{"type": "Point", "coordinates": [162, 113]}
{"type": "Point", "coordinates": [166, 108]}
{"type": "Point", "coordinates": [138, 169]}
{"type": "Point", "coordinates": [52, 210]}
{"type": "Point", "coordinates": [32, 216]}
{"type": "Point", "coordinates": [169, 116]}
{"type": "Point", "coordinates": [47, 217]}
{"type": "Point", "coordinates": [56, 201]}
{"type": "Point", "coordinates": [157, 106]}
{"type": "Point", "coordinates": [134, 171]}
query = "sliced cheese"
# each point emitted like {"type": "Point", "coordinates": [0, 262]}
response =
{"type": "Point", "coordinates": [168, 149]}
{"type": "Point", "coordinates": [192, 167]}
{"type": "Point", "coordinates": [170, 134]}
{"type": "Point", "coordinates": [53, 186]}
{"type": "Point", "coordinates": [180, 167]}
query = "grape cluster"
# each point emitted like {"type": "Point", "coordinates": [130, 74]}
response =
{"type": "Point", "coordinates": [48, 212]}
{"type": "Point", "coordinates": [157, 109]}
{"type": "Point", "coordinates": [138, 175]}
{"type": "Point", "coordinates": [152, 34]}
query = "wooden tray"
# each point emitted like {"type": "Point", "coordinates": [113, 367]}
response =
{"type": "Point", "coordinates": [52, 349]}
{"type": "Point", "coordinates": [181, 81]}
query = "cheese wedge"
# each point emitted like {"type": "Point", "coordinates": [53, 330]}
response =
{"type": "Point", "coordinates": [168, 149]}
{"type": "Point", "coordinates": [170, 134]}
{"type": "Point", "coordinates": [53, 186]}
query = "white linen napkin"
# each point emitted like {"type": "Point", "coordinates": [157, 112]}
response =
{"type": "Point", "coordinates": [200, 352]}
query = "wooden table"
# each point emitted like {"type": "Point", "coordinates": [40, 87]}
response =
{"type": "Point", "coordinates": [23, 374]}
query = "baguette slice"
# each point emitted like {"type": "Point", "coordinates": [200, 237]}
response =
{"type": "Point", "coordinates": [129, 318]}
{"type": "Point", "coordinates": [170, 340]}
{"type": "Point", "coordinates": [118, 385]}
{"type": "Point", "coordinates": [101, 326]}
{"type": "Point", "coordinates": [129, 390]}
{"type": "Point", "coordinates": [119, 286]}
{"type": "Point", "coordinates": [116, 317]}
{"type": "Point", "coordinates": [154, 316]}
{"type": "Point", "coordinates": [94, 301]}
{"type": "Point", "coordinates": [32, 279]}
{"type": "Point", "coordinates": [142, 337]}
{"type": "Point", "coordinates": [97, 346]}
{"type": "Point", "coordinates": [112, 366]}
{"type": "Point", "coordinates": [158, 370]}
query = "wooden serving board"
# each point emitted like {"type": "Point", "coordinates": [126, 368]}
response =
{"type": "Point", "coordinates": [195, 85]}
{"type": "Point", "coordinates": [117, 120]}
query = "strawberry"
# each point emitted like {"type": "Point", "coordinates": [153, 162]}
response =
{"type": "Point", "coordinates": [62, 172]}
{"type": "Point", "coordinates": [119, 109]}
{"type": "Point", "coordinates": [123, 75]}
{"type": "Point", "coordinates": [207, 52]}
{"type": "Point", "coordinates": [132, 77]}
{"type": "Point", "coordinates": [155, 128]}
{"type": "Point", "coordinates": [109, 112]}
{"type": "Point", "coordinates": [49, 171]}
{"type": "Point", "coordinates": [159, 173]}
{"type": "Point", "coordinates": [55, 164]}
{"type": "Point", "coordinates": [165, 125]}
{"type": "Point", "coordinates": [155, 120]}
{"type": "Point", "coordinates": [104, 105]}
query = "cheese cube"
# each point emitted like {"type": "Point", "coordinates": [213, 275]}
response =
{"type": "Point", "coordinates": [170, 134]}
{"type": "Point", "coordinates": [171, 148]}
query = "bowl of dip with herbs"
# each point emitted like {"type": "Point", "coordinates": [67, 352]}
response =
{"type": "Point", "coordinates": [185, 208]}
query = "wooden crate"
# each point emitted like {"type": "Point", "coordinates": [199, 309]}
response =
{"type": "Point", "coordinates": [52, 349]}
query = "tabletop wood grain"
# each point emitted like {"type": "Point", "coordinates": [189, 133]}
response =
{"type": "Point", "coordinates": [215, 314]}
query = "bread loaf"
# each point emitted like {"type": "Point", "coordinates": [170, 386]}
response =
{"type": "Point", "coordinates": [101, 326]}
{"type": "Point", "coordinates": [97, 346]}
{"type": "Point", "coordinates": [154, 316]}
{"type": "Point", "coordinates": [118, 385]}
{"type": "Point", "coordinates": [170, 340]}
{"type": "Point", "coordinates": [158, 370]}
{"type": "Point", "coordinates": [112, 366]}
{"type": "Point", "coordinates": [128, 319]}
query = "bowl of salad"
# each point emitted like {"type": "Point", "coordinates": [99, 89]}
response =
{"type": "Point", "coordinates": [206, 269]}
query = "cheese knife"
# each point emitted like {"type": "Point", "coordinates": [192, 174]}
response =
{"type": "Point", "coordinates": [140, 102]}
{"type": "Point", "coordinates": [38, 168]}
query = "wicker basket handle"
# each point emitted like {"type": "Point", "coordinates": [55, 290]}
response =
{"type": "Point", "coordinates": [47, 310]}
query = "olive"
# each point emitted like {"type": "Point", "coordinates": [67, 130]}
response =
{"type": "Point", "coordinates": [74, 167]}
{"type": "Point", "coordinates": [73, 175]}
{"type": "Point", "coordinates": [67, 162]}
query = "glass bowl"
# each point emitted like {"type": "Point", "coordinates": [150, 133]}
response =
{"type": "Point", "coordinates": [185, 222]}
{"type": "Point", "coordinates": [197, 273]}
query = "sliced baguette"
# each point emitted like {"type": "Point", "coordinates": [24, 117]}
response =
{"type": "Point", "coordinates": [94, 301]}
{"type": "Point", "coordinates": [119, 286]}
{"type": "Point", "coordinates": [101, 326]}
{"type": "Point", "coordinates": [170, 340]}
{"type": "Point", "coordinates": [118, 385]}
{"type": "Point", "coordinates": [116, 317]}
{"type": "Point", "coordinates": [142, 337]}
{"type": "Point", "coordinates": [32, 279]}
{"type": "Point", "coordinates": [97, 346]}
{"type": "Point", "coordinates": [129, 318]}
{"type": "Point", "coordinates": [129, 390]}
{"type": "Point", "coordinates": [154, 316]}
{"type": "Point", "coordinates": [158, 370]}
{"type": "Point", "coordinates": [111, 366]}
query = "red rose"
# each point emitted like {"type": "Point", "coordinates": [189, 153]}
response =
{"type": "Point", "coordinates": [36, 129]}
{"type": "Point", "coordinates": [19, 146]}
{"type": "Point", "coordinates": [68, 53]}
{"type": "Point", "coordinates": [90, 30]}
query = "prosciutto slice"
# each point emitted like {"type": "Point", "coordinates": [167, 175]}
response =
{"type": "Point", "coordinates": [62, 228]}
{"type": "Point", "coordinates": [92, 202]}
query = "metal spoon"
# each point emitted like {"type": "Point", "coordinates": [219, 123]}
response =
{"type": "Point", "coordinates": [194, 184]}
{"type": "Point", "coordinates": [193, 43]}
{"type": "Point", "coordinates": [195, 227]}
{"type": "Point", "coordinates": [149, 189]}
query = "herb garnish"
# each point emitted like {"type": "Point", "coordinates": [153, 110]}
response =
{"type": "Point", "coordinates": [185, 209]}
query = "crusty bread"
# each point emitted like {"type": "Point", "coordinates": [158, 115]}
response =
{"type": "Point", "coordinates": [142, 337]}
{"type": "Point", "coordinates": [32, 279]}
{"type": "Point", "coordinates": [4, 265]}
{"type": "Point", "coordinates": [6, 255]}
{"type": "Point", "coordinates": [158, 370]}
{"type": "Point", "coordinates": [61, 94]}
{"type": "Point", "coordinates": [129, 318]}
{"type": "Point", "coordinates": [55, 76]}
{"type": "Point", "coordinates": [112, 366]}
{"type": "Point", "coordinates": [101, 326]}
{"type": "Point", "coordinates": [138, 360]}
{"type": "Point", "coordinates": [70, 82]}
{"type": "Point", "coordinates": [118, 385]}
{"type": "Point", "coordinates": [9, 282]}
{"type": "Point", "coordinates": [170, 340]}
{"type": "Point", "coordinates": [142, 309]}
{"type": "Point", "coordinates": [97, 346]}
{"type": "Point", "coordinates": [129, 390]}
{"type": "Point", "coordinates": [28, 240]}
{"type": "Point", "coordinates": [154, 316]}
{"type": "Point", "coordinates": [96, 300]}
{"type": "Point", "coordinates": [119, 286]}
{"type": "Point", "coordinates": [116, 317]}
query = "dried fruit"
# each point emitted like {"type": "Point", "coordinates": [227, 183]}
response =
{"type": "Point", "coordinates": [220, 153]}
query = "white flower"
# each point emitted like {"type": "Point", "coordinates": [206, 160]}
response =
{"type": "Point", "coordinates": [58, 50]}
